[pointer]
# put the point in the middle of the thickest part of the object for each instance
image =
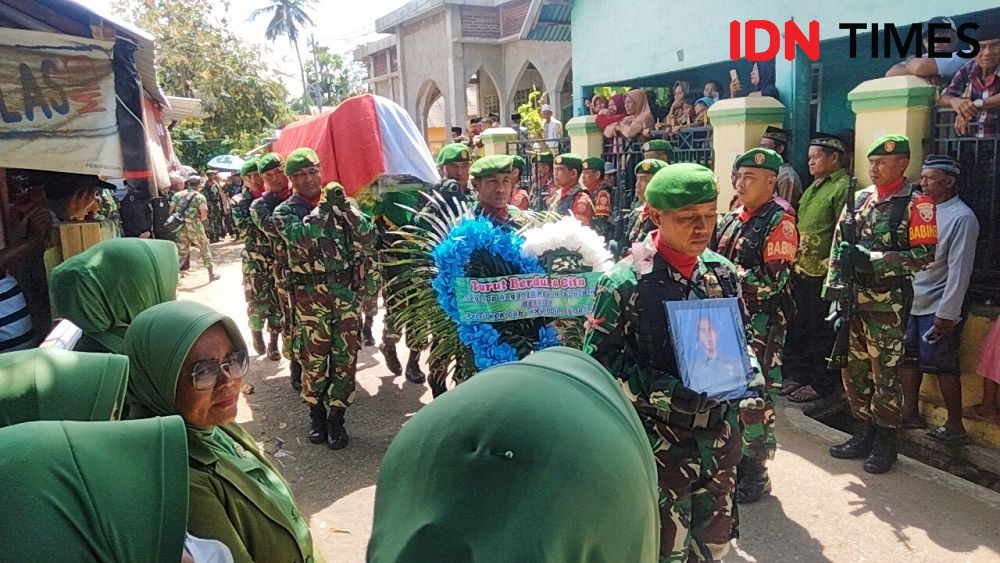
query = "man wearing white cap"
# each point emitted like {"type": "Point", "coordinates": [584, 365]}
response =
{"type": "Point", "coordinates": [552, 128]}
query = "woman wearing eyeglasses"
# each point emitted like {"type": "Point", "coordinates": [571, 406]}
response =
{"type": "Point", "coordinates": [189, 359]}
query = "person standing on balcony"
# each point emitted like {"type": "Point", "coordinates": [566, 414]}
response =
{"type": "Point", "coordinates": [934, 69]}
{"type": "Point", "coordinates": [896, 233]}
{"type": "Point", "coordinates": [810, 335]}
{"type": "Point", "coordinates": [789, 183]}
{"type": "Point", "coordinates": [935, 323]}
{"type": "Point", "coordinates": [974, 92]}
{"type": "Point", "coordinates": [552, 128]}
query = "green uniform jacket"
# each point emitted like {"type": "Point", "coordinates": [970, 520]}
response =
{"type": "Point", "coordinates": [228, 505]}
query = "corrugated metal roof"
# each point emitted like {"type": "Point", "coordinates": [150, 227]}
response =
{"type": "Point", "coordinates": [555, 13]}
{"type": "Point", "coordinates": [547, 21]}
{"type": "Point", "coordinates": [557, 32]}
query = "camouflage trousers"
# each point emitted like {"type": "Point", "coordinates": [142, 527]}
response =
{"type": "Point", "coordinates": [287, 309]}
{"type": "Point", "coordinates": [372, 287]}
{"type": "Point", "coordinates": [392, 329]}
{"type": "Point", "coordinates": [329, 333]}
{"type": "Point", "coordinates": [260, 294]}
{"type": "Point", "coordinates": [871, 378]}
{"type": "Point", "coordinates": [757, 425]}
{"type": "Point", "coordinates": [696, 472]}
{"type": "Point", "coordinates": [194, 234]}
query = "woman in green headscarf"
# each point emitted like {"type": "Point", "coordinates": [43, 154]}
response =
{"type": "Point", "coordinates": [49, 384]}
{"type": "Point", "coordinates": [102, 289]}
{"type": "Point", "coordinates": [538, 460]}
{"type": "Point", "coordinates": [78, 491]}
{"type": "Point", "coordinates": [188, 359]}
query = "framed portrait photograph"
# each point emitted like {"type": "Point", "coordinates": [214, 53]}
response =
{"type": "Point", "coordinates": [710, 343]}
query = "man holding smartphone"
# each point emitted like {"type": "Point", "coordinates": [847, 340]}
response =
{"type": "Point", "coordinates": [934, 325]}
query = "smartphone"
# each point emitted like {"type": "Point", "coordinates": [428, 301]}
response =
{"type": "Point", "coordinates": [733, 75]}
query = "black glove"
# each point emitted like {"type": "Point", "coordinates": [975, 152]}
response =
{"type": "Point", "coordinates": [688, 401]}
{"type": "Point", "coordinates": [857, 256]}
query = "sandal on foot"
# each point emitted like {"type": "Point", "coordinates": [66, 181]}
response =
{"type": "Point", "coordinates": [789, 387]}
{"type": "Point", "coordinates": [948, 436]}
{"type": "Point", "coordinates": [803, 394]}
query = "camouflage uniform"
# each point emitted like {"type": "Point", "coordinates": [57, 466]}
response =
{"type": "Point", "coordinates": [639, 224]}
{"type": "Point", "coordinates": [327, 264]}
{"type": "Point", "coordinates": [900, 232]}
{"type": "Point", "coordinates": [696, 461]}
{"type": "Point", "coordinates": [107, 212]}
{"type": "Point", "coordinates": [261, 211]}
{"type": "Point", "coordinates": [258, 279]}
{"type": "Point", "coordinates": [213, 196]}
{"type": "Point", "coordinates": [193, 231]}
{"type": "Point", "coordinates": [574, 202]}
{"type": "Point", "coordinates": [762, 245]}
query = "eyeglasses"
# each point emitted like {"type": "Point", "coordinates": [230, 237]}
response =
{"type": "Point", "coordinates": [205, 373]}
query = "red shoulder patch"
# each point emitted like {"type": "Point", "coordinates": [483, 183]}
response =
{"type": "Point", "coordinates": [923, 222]}
{"type": "Point", "coordinates": [782, 242]}
{"type": "Point", "coordinates": [583, 209]}
{"type": "Point", "coordinates": [602, 204]}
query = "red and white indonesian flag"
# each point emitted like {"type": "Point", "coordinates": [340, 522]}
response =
{"type": "Point", "coordinates": [361, 139]}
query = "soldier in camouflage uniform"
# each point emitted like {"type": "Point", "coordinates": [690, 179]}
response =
{"type": "Point", "coordinates": [325, 234]}
{"type": "Point", "coordinates": [213, 196]}
{"type": "Point", "coordinates": [658, 149]}
{"type": "Point", "coordinates": [896, 234]}
{"type": "Point", "coordinates": [695, 439]}
{"type": "Point", "coordinates": [519, 196]}
{"type": "Point", "coordinates": [568, 197]}
{"type": "Point", "coordinates": [258, 279]}
{"type": "Point", "coordinates": [270, 168]}
{"type": "Point", "coordinates": [759, 236]}
{"type": "Point", "coordinates": [107, 210]}
{"type": "Point", "coordinates": [492, 181]}
{"type": "Point", "coordinates": [195, 214]}
{"type": "Point", "coordinates": [373, 281]}
{"type": "Point", "coordinates": [638, 221]}
{"type": "Point", "coordinates": [592, 179]}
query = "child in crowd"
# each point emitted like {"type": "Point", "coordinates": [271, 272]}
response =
{"type": "Point", "coordinates": [989, 369]}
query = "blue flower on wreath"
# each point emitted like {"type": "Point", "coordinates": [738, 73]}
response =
{"type": "Point", "coordinates": [452, 257]}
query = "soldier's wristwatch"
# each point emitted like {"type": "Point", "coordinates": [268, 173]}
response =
{"type": "Point", "coordinates": [978, 103]}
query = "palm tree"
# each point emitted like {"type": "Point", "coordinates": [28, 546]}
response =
{"type": "Point", "coordinates": [287, 17]}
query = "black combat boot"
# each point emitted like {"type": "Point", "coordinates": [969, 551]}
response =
{"type": "Point", "coordinates": [296, 371]}
{"type": "Point", "coordinates": [859, 446]}
{"type": "Point", "coordinates": [336, 434]}
{"type": "Point", "coordinates": [883, 454]}
{"type": "Point", "coordinates": [317, 424]}
{"type": "Point", "coordinates": [413, 372]}
{"type": "Point", "coordinates": [273, 350]}
{"type": "Point", "coordinates": [391, 359]}
{"type": "Point", "coordinates": [753, 481]}
{"type": "Point", "coordinates": [366, 332]}
{"type": "Point", "coordinates": [258, 342]}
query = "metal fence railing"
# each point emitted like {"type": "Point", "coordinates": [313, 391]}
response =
{"type": "Point", "coordinates": [978, 151]}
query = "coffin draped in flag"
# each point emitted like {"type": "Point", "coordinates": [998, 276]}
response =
{"type": "Point", "coordinates": [363, 138]}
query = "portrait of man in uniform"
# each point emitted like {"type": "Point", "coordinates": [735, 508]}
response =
{"type": "Point", "coordinates": [710, 347]}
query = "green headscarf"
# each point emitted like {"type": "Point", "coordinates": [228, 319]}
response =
{"type": "Point", "coordinates": [102, 289]}
{"type": "Point", "coordinates": [157, 343]}
{"type": "Point", "coordinates": [94, 491]}
{"type": "Point", "coordinates": [547, 448]}
{"type": "Point", "coordinates": [49, 384]}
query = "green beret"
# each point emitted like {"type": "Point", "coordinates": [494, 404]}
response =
{"type": "Point", "coordinates": [490, 165]}
{"type": "Point", "coordinates": [545, 156]}
{"type": "Point", "coordinates": [890, 144]}
{"type": "Point", "coordinates": [300, 158]}
{"type": "Point", "coordinates": [594, 163]}
{"type": "Point", "coordinates": [518, 161]}
{"type": "Point", "coordinates": [649, 166]}
{"type": "Point", "coordinates": [570, 160]}
{"type": "Point", "coordinates": [249, 166]}
{"type": "Point", "coordinates": [658, 145]}
{"type": "Point", "coordinates": [270, 161]}
{"type": "Point", "coordinates": [680, 185]}
{"type": "Point", "coordinates": [452, 153]}
{"type": "Point", "coordinates": [760, 158]}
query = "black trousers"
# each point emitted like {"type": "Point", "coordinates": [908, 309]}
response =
{"type": "Point", "coordinates": [810, 338]}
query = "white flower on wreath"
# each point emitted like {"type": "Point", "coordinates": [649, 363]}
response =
{"type": "Point", "coordinates": [569, 234]}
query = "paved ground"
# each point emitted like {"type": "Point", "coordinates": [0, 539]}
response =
{"type": "Point", "coordinates": [822, 510]}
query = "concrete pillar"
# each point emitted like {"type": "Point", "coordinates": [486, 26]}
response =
{"type": "Point", "coordinates": [585, 137]}
{"type": "Point", "coordinates": [899, 105]}
{"type": "Point", "coordinates": [495, 140]}
{"type": "Point", "coordinates": [457, 79]}
{"type": "Point", "coordinates": [737, 125]}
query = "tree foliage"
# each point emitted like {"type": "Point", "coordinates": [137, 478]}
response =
{"type": "Point", "coordinates": [199, 57]}
{"type": "Point", "coordinates": [288, 17]}
{"type": "Point", "coordinates": [331, 78]}
{"type": "Point", "coordinates": [531, 113]}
